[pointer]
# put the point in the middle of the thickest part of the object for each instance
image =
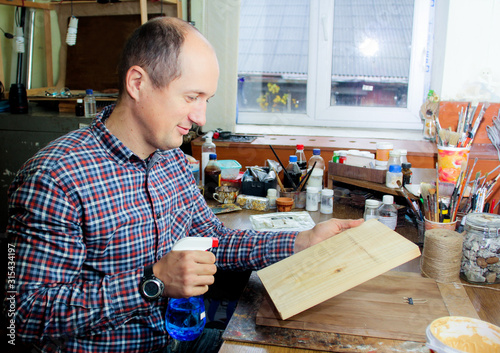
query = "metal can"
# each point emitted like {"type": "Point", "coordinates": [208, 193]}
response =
{"type": "Point", "coordinates": [481, 249]}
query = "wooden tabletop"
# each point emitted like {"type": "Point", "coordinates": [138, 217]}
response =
{"type": "Point", "coordinates": [240, 335]}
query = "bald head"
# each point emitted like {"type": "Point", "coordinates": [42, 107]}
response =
{"type": "Point", "coordinates": [156, 46]}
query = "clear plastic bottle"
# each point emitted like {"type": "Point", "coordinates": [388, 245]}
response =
{"type": "Point", "coordinates": [294, 173]}
{"type": "Point", "coordinates": [316, 178]}
{"type": "Point", "coordinates": [326, 201]}
{"type": "Point", "coordinates": [207, 148]}
{"type": "Point", "coordinates": [335, 158]}
{"type": "Point", "coordinates": [212, 176]}
{"type": "Point", "coordinates": [301, 159]}
{"type": "Point", "coordinates": [371, 209]}
{"type": "Point", "coordinates": [90, 104]}
{"type": "Point", "coordinates": [403, 154]}
{"type": "Point", "coordinates": [387, 212]}
{"type": "Point", "coordinates": [394, 158]}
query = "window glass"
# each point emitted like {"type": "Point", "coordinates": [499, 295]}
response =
{"type": "Point", "coordinates": [273, 56]}
{"type": "Point", "coordinates": [371, 52]}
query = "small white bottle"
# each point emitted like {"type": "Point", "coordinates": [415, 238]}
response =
{"type": "Point", "coordinates": [371, 209]}
{"type": "Point", "coordinates": [312, 197]}
{"type": "Point", "coordinates": [326, 201]}
{"type": "Point", "coordinates": [394, 158]}
{"type": "Point", "coordinates": [89, 104]}
{"type": "Point", "coordinates": [272, 196]}
{"type": "Point", "coordinates": [387, 212]}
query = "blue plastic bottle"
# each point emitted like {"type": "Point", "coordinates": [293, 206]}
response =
{"type": "Point", "coordinates": [185, 317]}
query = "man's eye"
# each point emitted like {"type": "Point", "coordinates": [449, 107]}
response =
{"type": "Point", "coordinates": [191, 98]}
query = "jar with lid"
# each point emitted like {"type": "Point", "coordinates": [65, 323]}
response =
{"type": "Point", "coordinates": [407, 173]}
{"type": "Point", "coordinates": [212, 176]}
{"type": "Point", "coordinates": [272, 195]}
{"type": "Point", "coordinates": [312, 198]}
{"type": "Point", "coordinates": [481, 249]}
{"type": "Point", "coordinates": [393, 175]}
{"type": "Point", "coordinates": [326, 201]}
{"type": "Point", "coordinates": [335, 158]}
{"type": "Point", "coordinates": [342, 156]}
{"type": "Point", "coordinates": [371, 209]}
{"type": "Point", "coordinates": [383, 149]}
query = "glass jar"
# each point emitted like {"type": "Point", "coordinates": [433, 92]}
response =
{"type": "Point", "coordinates": [481, 249]}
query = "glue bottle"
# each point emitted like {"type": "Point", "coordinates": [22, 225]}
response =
{"type": "Point", "coordinates": [185, 317]}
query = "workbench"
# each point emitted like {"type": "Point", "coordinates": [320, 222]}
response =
{"type": "Point", "coordinates": [242, 335]}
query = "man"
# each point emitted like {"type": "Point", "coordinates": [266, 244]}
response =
{"type": "Point", "coordinates": [95, 214]}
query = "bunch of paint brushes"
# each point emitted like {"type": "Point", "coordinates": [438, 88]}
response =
{"type": "Point", "coordinates": [466, 129]}
{"type": "Point", "coordinates": [442, 202]}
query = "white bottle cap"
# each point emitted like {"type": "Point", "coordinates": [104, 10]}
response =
{"type": "Point", "coordinates": [327, 192]}
{"type": "Point", "coordinates": [372, 202]}
{"type": "Point", "coordinates": [388, 199]}
{"type": "Point", "coordinates": [271, 192]}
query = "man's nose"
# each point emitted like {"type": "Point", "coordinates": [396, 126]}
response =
{"type": "Point", "coordinates": [198, 115]}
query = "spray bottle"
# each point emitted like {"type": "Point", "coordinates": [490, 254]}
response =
{"type": "Point", "coordinates": [185, 317]}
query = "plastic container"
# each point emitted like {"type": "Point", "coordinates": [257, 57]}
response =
{"type": "Point", "coordinates": [481, 249]}
{"type": "Point", "coordinates": [342, 157]}
{"type": "Point", "coordinates": [301, 159]}
{"type": "Point", "coordinates": [312, 197]}
{"type": "Point", "coordinates": [293, 171]}
{"type": "Point", "coordinates": [394, 158]}
{"type": "Point", "coordinates": [383, 149]}
{"type": "Point", "coordinates": [403, 158]}
{"type": "Point", "coordinates": [212, 176]}
{"type": "Point", "coordinates": [326, 201]}
{"type": "Point", "coordinates": [207, 148]}
{"type": "Point", "coordinates": [393, 175]}
{"type": "Point", "coordinates": [90, 107]}
{"type": "Point", "coordinates": [185, 317]}
{"type": "Point", "coordinates": [195, 168]}
{"type": "Point", "coordinates": [388, 214]}
{"type": "Point", "coordinates": [335, 157]}
{"type": "Point", "coordinates": [457, 334]}
{"type": "Point", "coordinates": [229, 169]}
{"type": "Point", "coordinates": [272, 196]}
{"type": "Point", "coordinates": [316, 178]}
{"type": "Point", "coordinates": [371, 209]}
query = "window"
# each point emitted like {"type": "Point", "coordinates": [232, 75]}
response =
{"type": "Point", "coordinates": [338, 63]}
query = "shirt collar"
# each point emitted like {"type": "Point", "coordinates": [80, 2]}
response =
{"type": "Point", "coordinates": [111, 143]}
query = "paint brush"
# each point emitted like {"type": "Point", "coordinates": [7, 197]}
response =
{"type": "Point", "coordinates": [284, 170]}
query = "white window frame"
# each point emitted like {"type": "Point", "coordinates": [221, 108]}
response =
{"type": "Point", "coordinates": [320, 113]}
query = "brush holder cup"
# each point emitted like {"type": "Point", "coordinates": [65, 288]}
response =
{"type": "Point", "coordinates": [450, 162]}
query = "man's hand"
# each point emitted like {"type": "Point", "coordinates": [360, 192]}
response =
{"type": "Point", "coordinates": [186, 273]}
{"type": "Point", "coordinates": [323, 231]}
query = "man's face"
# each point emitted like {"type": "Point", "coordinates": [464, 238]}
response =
{"type": "Point", "coordinates": [168, 113]}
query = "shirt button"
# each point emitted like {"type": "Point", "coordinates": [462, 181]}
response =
{"type": "Point", "coordinates": [158, 216]}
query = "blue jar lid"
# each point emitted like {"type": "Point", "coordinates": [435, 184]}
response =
{"type": "Point", "coordinates": [293, 158]}
{"type": "Point", "coordinates": [394, 168]}
{"type": "Point", "coordinates": [89, 91]}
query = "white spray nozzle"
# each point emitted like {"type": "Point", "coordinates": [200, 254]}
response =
{"type": "Point", "coordinates": [196, 243]}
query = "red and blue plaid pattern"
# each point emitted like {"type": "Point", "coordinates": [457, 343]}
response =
{"type": "Point", "coordinates": [87, 215]}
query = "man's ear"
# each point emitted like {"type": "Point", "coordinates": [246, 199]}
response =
{"type": "Point", "coordinates": [134, 81]}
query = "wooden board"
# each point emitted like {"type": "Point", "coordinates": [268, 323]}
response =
{"type": "Point", "coordinates": [376, 308]}
{"type": "Point", "coordinates": [357, 173]}
{"type": "Point", "coordinates": [334, 266]}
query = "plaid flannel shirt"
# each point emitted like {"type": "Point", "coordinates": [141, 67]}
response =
{"type": "Point", "coordinates": [86, 215]}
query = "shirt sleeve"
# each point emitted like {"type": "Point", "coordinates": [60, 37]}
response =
{"type": "Point", "coordinates": [241, 249]}
{"type": "Point", "coordinates": [52, 298]}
